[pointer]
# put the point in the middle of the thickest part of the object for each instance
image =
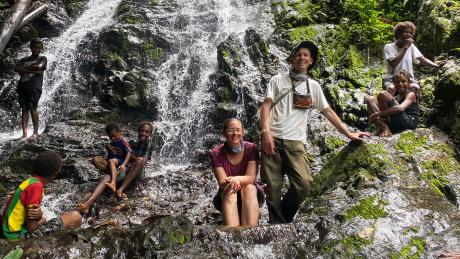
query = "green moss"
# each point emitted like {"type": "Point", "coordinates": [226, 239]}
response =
{"type": "Point", "coordinates": [409, 142]}
{"type": "Point", "coordinates": [302, 33]}
{"type": "Point", "coordinates": [354, 243]}
{"type": "Point", "coordinates": [131, 19]}
{"type": "Point", "coordinates": [413, 250]}
{"type": "Point", "coordinates": [224, 94]}
{"type": "Point", "coordinates": [435, 172]}
{"type": "Point", "coordinates": [442, 148]}
{"type": "Point", "coordinates": [225, 53]}
{"type": "Point", "coordinates": [153, 52]}
{"type": "Point", "coordinates": [114, 58]}
{"type": "Point", "coordinates": [333, 143]}
{"type": "Point", "coordinates": [413, 229]}
{"type": "Point", "coordinates": [367, 208]}
{"type": "Point", "coordinates": [321, 211]}
{"type": "Point", "coordinates": [354, 159]}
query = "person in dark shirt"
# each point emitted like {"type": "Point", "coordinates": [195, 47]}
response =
{"type": "Point", "coordinates": [141, 153]}
{"type": "Point", "coordinates": [30, 86]}
{"type": "Point", "coordinates": [395, 114]}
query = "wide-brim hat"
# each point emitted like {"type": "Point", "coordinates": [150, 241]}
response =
{"type": "Point", "coordinates": [308, 45]}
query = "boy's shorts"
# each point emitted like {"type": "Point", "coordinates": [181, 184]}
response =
{"type": "Point", "coordinates": [50, 226]}
{"type": "Point", "coordinates": [122, 175]}
{"type": "Point", "coordinates": [28, 98]}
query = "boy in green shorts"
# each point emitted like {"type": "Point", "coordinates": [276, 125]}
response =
{"type": "Point", "coordinates": [22, 217]}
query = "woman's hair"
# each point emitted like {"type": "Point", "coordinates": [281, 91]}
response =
{"type": "Point", "coordinates": [403, 73]}
{"type": "Point", "coordinates": [145, 123]}
{"type": "Point", "coordinates": [227, 121]}
{"type": "Point", "coordinates": [401, 26]}
{"type": "Point", "coordinates": [47, 163]}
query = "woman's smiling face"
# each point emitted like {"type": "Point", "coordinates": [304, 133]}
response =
{"type": "Point", "coordinates": [234, 132]}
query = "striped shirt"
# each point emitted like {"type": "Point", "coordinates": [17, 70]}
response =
{"type": "Point", "coordinates": [14, 217]}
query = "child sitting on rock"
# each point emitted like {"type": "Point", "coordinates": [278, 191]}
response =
{"type": "Point", "coordinates": [119, 153]}
{"type": "Point", "coordinates": [22, 217]}
{"type": "Point", "coordinates": [395, 114]}
{"type": "Point", "coordinates": [141, 152]}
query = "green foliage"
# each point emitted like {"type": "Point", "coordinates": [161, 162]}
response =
{"type": "Point", "coordinates": [362, 19]}
{"type": "Point", "coordinates": [14, 254]}
{"type": "Point", "coordinates": [394, 11]}
{"type": "Point", "coordinates": [302, 33]}
{"type": "Point", "coordinates": [368, 208]}
{"type": "Point", "coordinates": [413, 250]}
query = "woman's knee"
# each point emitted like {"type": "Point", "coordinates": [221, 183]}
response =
{"type": "Point", "coordinates": [248, 190]}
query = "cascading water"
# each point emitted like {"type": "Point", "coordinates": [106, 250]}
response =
{"type": "Point", "coordinates": [183, 79]}
{"type": "Point", "coordinates": [63, 56]}
{"type": "Point", "coordinates": [63, 60]}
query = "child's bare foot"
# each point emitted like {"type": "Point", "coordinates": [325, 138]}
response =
{"type": "Point", "coordinates": [386, 132]}
{"type": "Point", "coordinates": [23, 137]}
{"type": "Point", "coordinates": [112, 186]}
{"type": "Point", "coordinates": [122, 195]}
{"type": "Point", "coordinates": [33, 137]}
{"type": "Point", "coordinates": [83, 208]}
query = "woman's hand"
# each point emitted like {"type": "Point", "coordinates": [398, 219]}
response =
{"type": "Point", "coordinates": [233, 185]}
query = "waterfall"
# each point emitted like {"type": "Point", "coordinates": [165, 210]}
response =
{"type": "Point", "coordinates": [183, 79]}
{"type": "Point", "coordinates": [62, 54]}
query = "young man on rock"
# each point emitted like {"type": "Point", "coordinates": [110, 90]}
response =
{"type": "Point", "coordinates": [284, 126]}
{"type": "Point", "coordinates": [401, 54]}
{"type": "Point", "coordinates": [30, 86]}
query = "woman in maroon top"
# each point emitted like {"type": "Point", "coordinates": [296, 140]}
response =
{"type": "Point", "coordinates": [234, 164]}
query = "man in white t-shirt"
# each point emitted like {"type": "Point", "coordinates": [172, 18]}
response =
{"type": "Point", "coordinates": [284, 127]}
{"type": "Point", "coordinates": [401, 54]}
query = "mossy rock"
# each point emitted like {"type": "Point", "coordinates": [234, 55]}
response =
{"type": "Point", "coordinates": [439, 26]}
{"type": "Point", "coordinates": [352, 161]}
{"type": "Point", "coordinates": [367, 208]}
{"type": "Point", "coordinates": [414, 249]}
{"type": "Point", "coordinates": [168, 232]}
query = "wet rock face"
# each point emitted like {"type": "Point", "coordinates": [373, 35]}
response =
{"type": "Point", "coordinates": [438, 26]}
{"type": "Point", "coordinates": [447, 96]}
